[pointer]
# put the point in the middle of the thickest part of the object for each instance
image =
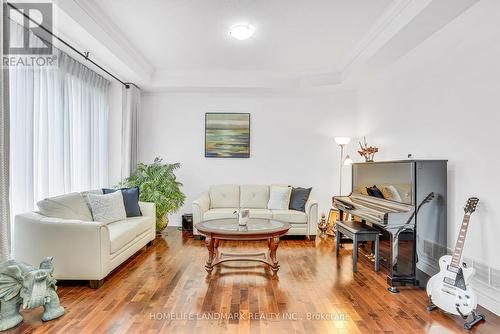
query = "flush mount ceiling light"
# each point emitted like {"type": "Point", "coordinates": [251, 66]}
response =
{"type": "Point", "coordinates": [241, 31]}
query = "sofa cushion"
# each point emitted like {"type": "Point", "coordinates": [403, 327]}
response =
{"type": "Point", "coordinates": [254, 196]}
{"type": "Point", "coordinates": [224, 196]}
{"type": "Point", "coordinates": [261, 213]}
{"type": "Point", "coordinates": [125, 231]}
{"type": "Point", "coordinates": [107, 208]}
{"type": "Point", "coordinates": [219, 213]}
{"type": "Point", "coordinates": [290, 216]}
{"type": "Point", "coordinates": [68, 206]}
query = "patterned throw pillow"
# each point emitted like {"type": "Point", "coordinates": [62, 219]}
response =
{"type": "Point", "coordinates": [107, 208]}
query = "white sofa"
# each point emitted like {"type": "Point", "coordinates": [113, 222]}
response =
{"type": "Point", "coordinates": [82, 250]}
{"type": "Point", "coordinates": [220, 201]}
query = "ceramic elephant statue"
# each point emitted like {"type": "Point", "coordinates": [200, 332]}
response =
{"type": "Point", "coordinates": [23, 284]}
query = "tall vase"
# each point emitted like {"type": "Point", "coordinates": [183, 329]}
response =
{"type": "Point", "coordinates": [161, 224]}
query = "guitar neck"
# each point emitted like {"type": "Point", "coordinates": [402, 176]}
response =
{"type": "Point", "coordinates": [459, 246]}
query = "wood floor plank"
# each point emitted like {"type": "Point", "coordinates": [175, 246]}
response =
{"type": "Point", "coordinates": [165, 289]}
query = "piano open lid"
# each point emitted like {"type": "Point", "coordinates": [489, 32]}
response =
{"type": "Point", "coordinates": [395, 179]}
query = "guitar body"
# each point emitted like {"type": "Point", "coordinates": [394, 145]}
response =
{"type": "Point", "coordinates": [450, 288]}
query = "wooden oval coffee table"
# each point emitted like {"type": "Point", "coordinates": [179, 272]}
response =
{"type": "Point", "coordinates": [256, 229]}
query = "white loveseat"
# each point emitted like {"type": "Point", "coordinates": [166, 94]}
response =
{"type": "Point", "coordinates": [82, 250]}
{"type": "Point", "coordinates": [220, 201]}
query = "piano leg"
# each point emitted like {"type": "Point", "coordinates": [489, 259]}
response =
{"type": "Point", "coordinates": [354, 253]}
{"type": "Point", "coordinates": [402, 258]}
{"type": "Point", "coordinates": [337, 243]}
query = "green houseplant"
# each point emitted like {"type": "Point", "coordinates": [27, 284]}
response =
{"type": "Point", "coordinates": [158, 184]}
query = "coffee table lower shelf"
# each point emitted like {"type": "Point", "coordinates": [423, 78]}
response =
{"type": "Point", "coordinates": [215, 257]}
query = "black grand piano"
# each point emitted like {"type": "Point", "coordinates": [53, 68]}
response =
{"type": "Point", "coordinates": [412, 240]}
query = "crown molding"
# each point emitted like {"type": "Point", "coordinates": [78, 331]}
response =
{"type": "Point", "coordinates": [87, 14]}
{"type": "Point", "coordinates": [402, 27]}
{"type": "Point", "coordinates": [165, 80]}
{"type": "Point", "coordinates": [395, 17]}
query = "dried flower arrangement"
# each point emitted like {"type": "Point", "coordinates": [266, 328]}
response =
{"type": "Point", "coordinates": [367, 152]}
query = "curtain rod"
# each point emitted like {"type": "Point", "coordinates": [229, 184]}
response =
{"type": "Point", "coordinates": [83, 54]}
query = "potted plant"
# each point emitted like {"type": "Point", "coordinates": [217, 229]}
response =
{"type": "Point", "coordinates": [158, 184]}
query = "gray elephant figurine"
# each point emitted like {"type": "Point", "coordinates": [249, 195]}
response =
{"type": "Point", "coordinates": [23, 284]}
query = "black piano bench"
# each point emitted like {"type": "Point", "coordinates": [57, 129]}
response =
{"type": "Point", "coordinates": [357, 232]}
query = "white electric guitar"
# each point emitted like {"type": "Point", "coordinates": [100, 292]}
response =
{"type": "Point", "coordinates": [450, 289]}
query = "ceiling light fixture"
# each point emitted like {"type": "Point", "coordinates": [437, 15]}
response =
{"type": "Point", "coordinates": [241, 31]}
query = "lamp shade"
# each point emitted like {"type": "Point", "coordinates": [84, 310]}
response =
{"type": "Point", "coordinates": [342, 140]}
{"type": "Point", "coordinates": [348, 161]}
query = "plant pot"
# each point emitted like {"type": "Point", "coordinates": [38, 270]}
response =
{"type": "Point", "coordinates": [161, 224]}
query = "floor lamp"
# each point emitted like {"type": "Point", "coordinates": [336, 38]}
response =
{"type": "Point", "coordinates": [341, 142]}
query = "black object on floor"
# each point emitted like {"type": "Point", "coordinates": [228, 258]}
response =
{"type": "Point", "coordinates": [187, 225]}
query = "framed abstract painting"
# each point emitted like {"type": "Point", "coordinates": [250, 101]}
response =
{"type": "Point", "coordinates": [227, 135]}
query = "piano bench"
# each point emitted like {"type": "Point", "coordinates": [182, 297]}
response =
{"type": "Point", "coordinates": [357, 232]}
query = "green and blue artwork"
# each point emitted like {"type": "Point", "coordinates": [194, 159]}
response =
{"type": "Point", "coordinates": [227, 135]}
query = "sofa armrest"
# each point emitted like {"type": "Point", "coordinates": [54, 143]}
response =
{"type": "Point", "coordinates": [200, 206]}
{"type": "Point", "coordinates": [148, 209]}
{"type": "Point", "coordinates": [312, 216]}
{"type": "Point", "coordinates": [80, 248]}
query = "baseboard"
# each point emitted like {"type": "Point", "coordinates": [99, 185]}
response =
{"type": "Point", "coordinates": [427, 267]}
{"type": "Point", "coordinates": [487, 297]}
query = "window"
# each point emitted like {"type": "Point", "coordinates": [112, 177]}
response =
{"type": "Point", "coordinates": [58, 130]}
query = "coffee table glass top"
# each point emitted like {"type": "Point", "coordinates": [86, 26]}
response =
{"type": "Point", "coordinates": [254, 226]}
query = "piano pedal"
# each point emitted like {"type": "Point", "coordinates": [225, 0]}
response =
{"type": "Point", "coordinates": [371, 257]}
{"type": "Point", "coordinates": [393, 289]}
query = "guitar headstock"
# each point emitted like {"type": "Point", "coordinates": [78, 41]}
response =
{"type": "Point", "coordinates": [429, 197]}
{"type": "Point", "coordinates": [471, 205]}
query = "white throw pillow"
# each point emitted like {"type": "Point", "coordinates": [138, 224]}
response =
{"type": "Point", "coordinates": [107, 208]}
{"type": "Point", "coordinates": [68, 206]}
{"type": "Point", "coordinates": [279, 198]}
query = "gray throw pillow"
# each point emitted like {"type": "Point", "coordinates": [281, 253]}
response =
{"type": "Point", "coordinates": [299, 198]}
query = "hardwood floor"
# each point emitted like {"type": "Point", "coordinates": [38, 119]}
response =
{"type": "Point", "coordinates": [165, 289]}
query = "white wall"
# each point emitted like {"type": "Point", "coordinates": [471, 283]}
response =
{"type": "Point", "coordinates": [291, 139]}
{"type": "Point", "coordinates": [442, 100]}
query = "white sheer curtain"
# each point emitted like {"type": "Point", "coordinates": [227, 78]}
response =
{"type": "Point", "coordinates": [130, 129]}
{"type": "Point", "coordinates": [58, 131]}
{"type": "Point", "coordinates": [4, 156]}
